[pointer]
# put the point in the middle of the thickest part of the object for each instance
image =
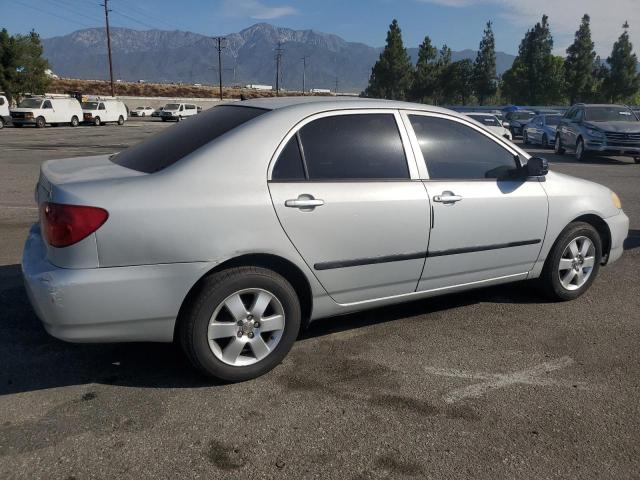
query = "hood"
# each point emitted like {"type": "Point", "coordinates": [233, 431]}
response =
{"type": "Point", "coordinates": [23, 110]}
{"type": "Point", "coordinates": [621, 127]}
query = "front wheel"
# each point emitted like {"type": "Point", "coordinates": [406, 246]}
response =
{"type": "Point", "coordinates": [74, 121]}
{"type": "Point", "coordinates": [573, 263]}
{"type": "Point", "coordinates": [241, 324]}
{"type": "Point", "coordinates": [40, 122]}
{"type": "Point", "coordinates": [558, 148]}
{"type": "Point", "coordinates": [580, 154]}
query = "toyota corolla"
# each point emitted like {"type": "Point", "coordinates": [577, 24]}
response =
{"type": "Point", "coordinates": [230, 232]}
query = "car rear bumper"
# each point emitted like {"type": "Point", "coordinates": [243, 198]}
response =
{"type": "Point", "coordinates": [619, 228]}
{"type": "Point", "coordinates": [117, 304]}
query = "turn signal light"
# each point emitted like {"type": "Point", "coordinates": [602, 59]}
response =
{"type": "Point", "coordinates": [63, 225]}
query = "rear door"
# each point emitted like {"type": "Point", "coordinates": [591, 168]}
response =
{"type": "Point", "coordinates": [347, 193]}
{"type": "Point", "coordinates": [486, 224]}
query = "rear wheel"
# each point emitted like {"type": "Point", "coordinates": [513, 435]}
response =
{"type": "Point", "coordinates": [242, 323]}
{"type": "Point", "coordinates": [558, 148]}
{"type": "Point", "coordinates": [120, 120]}
{"type": "Point", "coordinates": [573, 263]}
{"type": "Point", "coordinates": [74, 121]}
{"type": "Point", "coordinates": [40, 122]}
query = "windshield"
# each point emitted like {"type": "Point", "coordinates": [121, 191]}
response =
{"type": "Point", "coordinates": [172, 106]}
{"type": "Point", "coordinates": [552, 119]}
{"type": "Point", "coordinates": [488, 120]}
{"type": "Point", "coordinates": [89, 105]}
{"type": "Point", "coordinates": [522, 115]}
{"type": "Point", "coordinates": [608, 113]}
{"type": "Point", "coordinates": [169, 146]}
{"type": "Point", "coordinates": [30, 103]}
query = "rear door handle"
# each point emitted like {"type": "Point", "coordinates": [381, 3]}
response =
{"type": "Point", "coordinates": [447, 197]}
{"type": "Point", "coordinates": [304, 202]}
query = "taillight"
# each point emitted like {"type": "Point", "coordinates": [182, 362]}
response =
{"type": "Point", "coordinates": [64, 225]}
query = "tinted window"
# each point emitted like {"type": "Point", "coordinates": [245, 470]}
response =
{"type": "Point", "coordinates": [488, 120]}
{"type": "Point", "coordinates": [552, 119]}
{"type": "Point", "coordinates": [170, 145]}
{"type": "Point", "coordinates": [454, 151]}
{"type": "Point", "coordinates": [47, 104]}
{"type": "Point", "coordinates": [1, 101]}
{"type": "Point", "coordinates": [289, 163]}
{"type": "Point", "coordinates": [357, 146]}
{"type": "Point", "coordinates": [102, 107]}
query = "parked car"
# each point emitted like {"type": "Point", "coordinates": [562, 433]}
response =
{"type": "Point", "coordinates": [517, 121]}
{"type": "Point", "coordinates": [48, 109]}
{"type": "Point", "coordinates": [221, 234]}
{"type": "Point", "coordinates": [142, 111]}
{"type": "Point", "coordinates": [5, 117]}
{"type": "Point", "coordinates": [490, 122]}
{"type": "Point", "coordinates": [599, 128]}
{"type": "Point", "coordinates": [178, 111]}
{"type": "Point", "coordinates": [157, 112]}
{"type": "Point", "coordinates": [100, 111]}
{"type": "Point", "coordinates": [541, 130]}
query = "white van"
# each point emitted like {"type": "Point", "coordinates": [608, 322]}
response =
{"type": "Point", "coordinates": [51, 109]}
{"type": "Point", "coordinates": [178, 111]}
{"type": "Point", "coordinates": [97, 110]}
{"type": "Point", "coordinates": [4, 111]}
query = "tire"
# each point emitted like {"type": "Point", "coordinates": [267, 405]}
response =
{"type": "Point", "coordinates": [96, 121]}
{"type": "Point", "coordinates": [74, 121]}
{"type": "Point", "coordinates": [120, 120]}
{"type": "Point", "coordinates": [1, 123]}
{"type": "Point", "coordinates": [179, 119]}
{"type": "Point", "coordinates": [208, 355]}
{"type": "Point", "coordinates": [545, 141]}
{"type": "Point", "coordinates": [580, 154]}
{"type": "Point", "coordinates": [144, 114]}
{"type": "Point", "coordinates": [557, 147]}
{"type": "Point", "coordinates": [525, 137]}
{"type": "Point", "coordinates": [636, 159]}
{"type": "Point", "coordinates": [550, 279]}
{"type": "Point", "coordinates": [41, 122]}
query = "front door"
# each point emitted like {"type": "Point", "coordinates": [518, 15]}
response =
{"type": "Point", "coordinates": [487, 223]}
{"type": "Point", "coordinates": [350, 201]}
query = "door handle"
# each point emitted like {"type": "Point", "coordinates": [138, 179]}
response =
{"type": "Point", "coordinates": [304, 202]}
{"type": "Point", "coordinates": [447, 197]}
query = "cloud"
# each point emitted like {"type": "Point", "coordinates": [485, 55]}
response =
{"type": "Point", "coordinates": [607, 17]}
{"type": "Point", "coordinates": [256, 9]}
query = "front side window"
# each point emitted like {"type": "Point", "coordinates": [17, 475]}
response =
{"type": "Point", "coordinates": [47, 104]}
{"type": "Point", "coordinates": [359, 146]}
{"type": "Point", "coordinates": [102, 107]}
{"type": "Point", "coordinates": [453, 150]}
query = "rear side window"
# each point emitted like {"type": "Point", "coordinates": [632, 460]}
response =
{"type": "Point", "coordinates": [359, 146]}
{"type": "Point", "coordinates": [174, 143]}
{"type": "Point", "coordinates": [289, 164]}
{"type": "Point", "coordinates": [453, 150]}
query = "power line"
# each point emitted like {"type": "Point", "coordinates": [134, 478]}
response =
{"type": "Point", "coordinates": [135, 20]}
{"type": "Point", "coordinates": [146, 14]}
{"type": "Point", "coordinates": [41, 10]}
{"type": "Point", "coordinates": [70, 8]}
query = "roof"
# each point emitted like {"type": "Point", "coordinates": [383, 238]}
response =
{"type": "Point", "coordinates": [323, 103]}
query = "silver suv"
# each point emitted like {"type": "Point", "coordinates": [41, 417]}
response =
{"type": "Point", "coordinates": [607, 129]}
{"type": "Point", "coordinates": [231, 231]}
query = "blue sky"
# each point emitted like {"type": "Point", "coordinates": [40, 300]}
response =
{"type": "Point", "coordinates": [459, 23]}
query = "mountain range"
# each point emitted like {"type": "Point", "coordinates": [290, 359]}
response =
{"type": "Point", "coordinates": [248, 57]}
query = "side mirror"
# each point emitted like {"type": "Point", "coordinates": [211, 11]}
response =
{"type": "Point", "coordinates": [505, 124]}
{"type": "Point", "coordinates": [537, 167]}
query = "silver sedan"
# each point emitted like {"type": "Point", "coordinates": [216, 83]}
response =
{"type": "Point", "coordinates": [231, 232]}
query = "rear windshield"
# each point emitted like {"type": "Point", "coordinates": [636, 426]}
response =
{"type": "Point", "coordinates": [174, 143]}
{"type": "Point", "coordinates": [552, 119]}
{"type": "Point", "coordinates": [522, 115]}
{"type": "Point", "coordinates": [488, 120]}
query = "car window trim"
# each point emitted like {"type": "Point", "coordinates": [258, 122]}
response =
{"type": "Point", "coordinates": [422, 164]}
{"type": "Point", "coordinates": [409, 155]}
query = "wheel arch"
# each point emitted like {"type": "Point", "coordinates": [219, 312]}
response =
{"type": "Point", "coordinates": [603, 230]}
{"type": "Point", "coordinates": [280, 265]}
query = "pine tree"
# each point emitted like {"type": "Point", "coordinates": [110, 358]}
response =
{"type": "Point", "coordinates": [579, 64]}
{"type": "Point", "coordinates": [457, 81]}
{"type": "Point", "coordinates": [425, 78]}
{"type": "Point", "coordinates": [623, 81]}
{"type": "Point", "coordinates": [392, 74]}
{"type": "Point", "coordinates": [442, 73]}
{"type": "Point", "coordinates": [32, 65]}
{"type": "Point", "coordinates": [484, 69]}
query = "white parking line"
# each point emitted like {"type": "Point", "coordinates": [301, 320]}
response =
{"type": "Point", "coordinates": [491, 381]}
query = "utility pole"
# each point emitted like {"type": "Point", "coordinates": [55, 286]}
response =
{"type": "Point", "coordinates": [336, 90]}
{"type": "Point", "coordinates": [279, 51]}
{"type": "Point", "coordinates": [219, 40]}
{"type": "Point", "coordinates": [304, 73]}
{"type": "Point", "coordinates": [106, 17]}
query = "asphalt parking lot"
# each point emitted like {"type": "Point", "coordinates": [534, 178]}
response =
{"type": "Point", "coordinates": [495, 383]}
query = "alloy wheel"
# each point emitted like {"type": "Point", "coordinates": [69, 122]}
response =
{"type": "Point", "coordinates": [246, 327]}
{"type": "Point", "coordinates": [576, 263]}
